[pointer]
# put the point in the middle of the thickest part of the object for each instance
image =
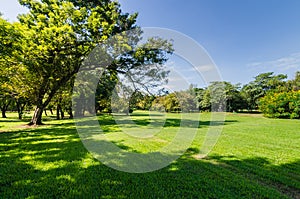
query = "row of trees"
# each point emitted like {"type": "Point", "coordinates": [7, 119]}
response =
{"type": "Point", "coordinates": [41, 54]}
{"type": "Point", "coordinates": [274, 95]}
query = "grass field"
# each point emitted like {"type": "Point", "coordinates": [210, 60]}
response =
{"type": "Point", "coordinates": [255, 157]}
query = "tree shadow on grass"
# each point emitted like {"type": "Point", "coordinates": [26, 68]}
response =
{"type": "Point", "coordinates": [164, 123]}
{"type": "Point", "coordinates": [9, 120]}
{"type": "Point", "coordinates": [145, 115]}
{"type": "Point", "coordinates": [53, 163]}
{"type": "Point", "coordinates": [285, 178]}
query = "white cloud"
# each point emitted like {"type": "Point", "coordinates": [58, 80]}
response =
{"type": "Point", "coordinates": [205, 68]}
{"type": "Point", "coordinates": [290, 62]}
{"type": "Point", "coordinates": [255, 64]}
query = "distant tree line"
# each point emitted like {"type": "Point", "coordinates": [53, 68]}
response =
{"type": "Point", "coordinates": [271, 94]}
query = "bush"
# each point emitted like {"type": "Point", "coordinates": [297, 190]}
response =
{"type": "Point", "coordinates": [281, 105]}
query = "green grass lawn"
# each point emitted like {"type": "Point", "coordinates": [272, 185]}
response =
{"type": "Point", "coordinates": [255, 157]}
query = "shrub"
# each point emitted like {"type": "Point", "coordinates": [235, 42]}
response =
{"type": "Point", "coordinates": [281, 105]}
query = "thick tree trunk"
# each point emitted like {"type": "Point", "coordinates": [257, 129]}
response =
{"type": "Point", "coordinates": [37, 116]}
{"type": "Point", "coordinates": [20, 116]}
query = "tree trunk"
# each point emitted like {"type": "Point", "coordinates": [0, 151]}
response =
{"type": "Point", "coordinates": [71, 113]}
{"type": "Point", "coordinates": [45, 112]}
{"type": "Point", "coordinates": [62, 114]}
{"type": "Point", "coordinates": [51, 111]}
{"type": "Point", "coordinates": [80, 106]}
{"type": "Point", "coordinates": [3, 113]}
{"type": "Point", "coordinates": [20, 116]}
{"type": "Point", "coordinates": [20, 111]}
{"type": "Point", "coordinates": [4, 109]}
{"type": "Point", "coordinates": [20, 108]}
{"type": "Point", "coordinates": [57, 112]}
{"type": "Point", "coordinates": [37, 116]}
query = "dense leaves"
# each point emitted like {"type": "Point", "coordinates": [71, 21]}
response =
{"type": "Point", "coordinates": [281, 105]}
{"type": "Point", "coordinates": [56, 36]}
{"type": "Point", "coordinates": [268, 93]}
{"type": "Point", "coordinates": [59, 35]}
{"type": "Point", "coordinates": [262, 84]}
{"type": "Point", "coordinates": [41, 54]}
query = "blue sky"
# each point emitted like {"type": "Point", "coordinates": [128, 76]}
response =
{"type": "Point", "coordinates": [243, 37]}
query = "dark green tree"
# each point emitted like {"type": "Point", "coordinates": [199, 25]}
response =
{"type": "Point", "coordinates": [262, 84]}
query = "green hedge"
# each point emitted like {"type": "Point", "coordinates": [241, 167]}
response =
{"type": "Point", "coordinates": [281, 105]}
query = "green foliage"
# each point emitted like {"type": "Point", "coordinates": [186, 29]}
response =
{"type": "Point", "coordinates": [41, 54]}
{"type": "Point", "coordinates": [220, 96]}
{"type": "Point", "coordinates": [9, 39]}
{"type": "Point", "coordinates": [57, 35]}
{"type": "Point", "coordinates": [47, 46]}
{"type": "Point", "coordinates": [296, 82]}
{"type": "Point", "coordinates": [187, 100]}
{"type": "Point", "coordinates": [11, 94]}
{"type": "Point", "coordinates": [281, 105]}
{"type": "Point", "coordinates": [160, 103]}
{"type": "Point", "coordinates": [140, 101]}
{"type": "Point", "coordinates": [179, 101]}
{"type": "Point", "coordinates": [171, 103]}
{"type": "Point", "coordinates": [283, 100]}
{"type": "Point", "coordinates": [262, 84]}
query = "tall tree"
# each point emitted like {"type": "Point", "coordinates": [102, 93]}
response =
{"type": "Point", "coordinates": [262, 84]}
{"type": "Point", "coordinates": [59, 34]}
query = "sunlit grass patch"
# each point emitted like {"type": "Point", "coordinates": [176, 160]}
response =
{"type": "Point", "coordinates": [254, 157]}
